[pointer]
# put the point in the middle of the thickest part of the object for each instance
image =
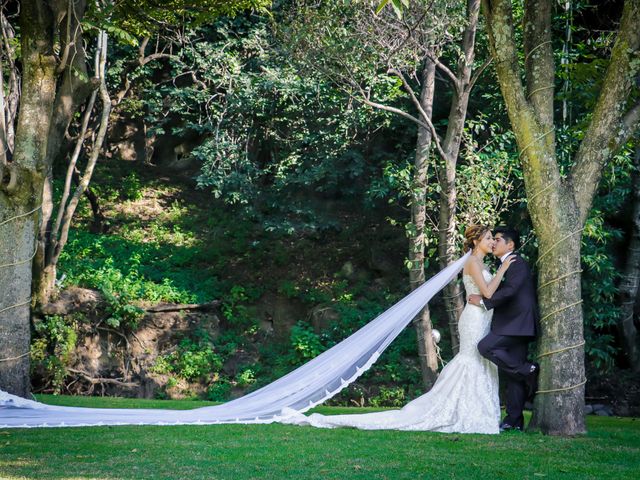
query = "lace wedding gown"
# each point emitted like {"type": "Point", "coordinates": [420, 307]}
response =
{"type": "Point", "coordinates": [464, 399]}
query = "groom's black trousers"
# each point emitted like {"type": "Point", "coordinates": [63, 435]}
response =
{"type": "Point", "coordinates": [509, 353]}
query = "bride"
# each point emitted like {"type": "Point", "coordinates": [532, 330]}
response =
{"type": "Point", "coordinates": [464, 399]}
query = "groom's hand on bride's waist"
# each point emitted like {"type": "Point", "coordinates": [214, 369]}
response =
{"type": "Point", "coordinates": [475, 299]}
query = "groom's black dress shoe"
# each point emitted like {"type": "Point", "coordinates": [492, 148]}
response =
{"type": "Point", "coordinates": [532, 381]}
{"type": "Point", "coordinates": [507, 427]}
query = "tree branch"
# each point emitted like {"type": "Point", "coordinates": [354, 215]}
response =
{"type": "Point", "coordinates": [476, 75]}
{"type": "Point", "coordinates": [446, 70]}
{"type": "Point", "coordinates": [156, 56]}
{"type": "Point", "coordinates": [100, 380]}
{"type": "Point", "coordinates": [68, 43]}
{"type": "Point", "coordinates": [423, 114]}
{"type": "Point", "coordinates": [100, 61]}
{"type": "Point", "coordinates": [395, 110]}
{"type": "Point", "coordinates": [191, 306]}
{"type": "Point", "coordinates": [610, 125]}
{"type": "Point", "coordinates": [143, 60]}
{"type": "Point", "coordinates": [539, 65]}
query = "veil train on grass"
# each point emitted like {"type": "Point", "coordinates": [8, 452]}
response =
{"type": "Point", "coordinates": [307, 386]}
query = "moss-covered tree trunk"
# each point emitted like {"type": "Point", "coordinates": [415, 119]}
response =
{"type": "Point", "coordinates": [559, 207]}
{"type": "Point", "coordinates": [21, 193]}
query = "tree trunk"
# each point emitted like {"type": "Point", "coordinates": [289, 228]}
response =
{"type": "Point", "coordinates": [74, 88]}
{"type": "Point", "coordinates": [559, 407]}
{"type": "Point", "coordinates": [630, 282]}
{"type": "Point", "coordinates": [559, 207]}
{"type": "Point", "coordinates": [426, 346]}
{"type": "Point", "coordinates": [21, 193]}
{"type": "Point", "coordinates": [99, 222]}
{"type": "Point", "coordinates": [448, 250]}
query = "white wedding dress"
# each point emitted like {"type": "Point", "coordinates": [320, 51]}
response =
{"type": "Point", "coordinates": [464, 399]}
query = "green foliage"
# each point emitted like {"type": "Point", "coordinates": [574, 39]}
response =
{"type": "Point", "coordinates": [219, 391]}
{"type": "Point", "coordinates": [129, 19]}
{"type": "Point", "coordinates": [272, 133]}
{"type": "Point", "coordinates": [600, 272]}
{"type": "Point", "coordinates": [52, 348]}
{"type": "Point", "coordinates": [193, 359]}
{"type": "Point", "coordinates": [389, 397]}
{"type": "Point", "coordinates": [133, 270]}
{"type": "Point", "coordinates": [245, 378]}
{"type": "Point", "coordinates": [131, 187]}
{"type": "Point", "coordinates": [306, 344]}
{"type": "Point", "coordinates": [119, 291]}
{"type": "Point", "coordinates": [232, 307]}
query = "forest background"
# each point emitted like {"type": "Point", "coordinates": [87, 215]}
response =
{"type": "Point", "coordinates": [255, 186]}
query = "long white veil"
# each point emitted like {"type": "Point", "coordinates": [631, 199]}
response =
{"type": "Point", "coordinates": [307, 386]}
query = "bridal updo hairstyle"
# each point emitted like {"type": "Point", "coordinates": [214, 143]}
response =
{"type": "Point", "coordinates": [473, 233]}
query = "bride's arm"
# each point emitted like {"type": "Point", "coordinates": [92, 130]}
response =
{"type": "Point", "coordinates": [474, 268]}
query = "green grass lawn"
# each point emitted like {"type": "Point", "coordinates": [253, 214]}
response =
{"type": "Point", "coordinates": [610, 450]}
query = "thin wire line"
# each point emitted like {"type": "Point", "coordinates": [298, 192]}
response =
{"type": "Point", "coordinates": [557, 279]}
{"type": "Point", "coordinates": [21, 261]}
{"type": "Point", "coordinates": [557, 243]}
{"type": "Point", "coordinates": [560, 350]}
{"type": "Point", "coordinates": [8, 359]}
{"type": "Point", "coordinates": [4, 222]}
{"type": "Point", "coordinates": [564, 389]}
{"type": "Point", "coordinates": [560, 310]}
{"type": "Point", "coordinates": [16, 305]}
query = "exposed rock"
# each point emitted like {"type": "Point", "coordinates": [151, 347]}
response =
{"type": "Point", "coordinates": [322, 317]}
{"type": "Point", "coordinates": [116, 361]}
{"type": "Point", "coordinates": [623, 411]}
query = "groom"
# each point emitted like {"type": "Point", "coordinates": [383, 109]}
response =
{"type": "Point", "coordinates": [513, 326]}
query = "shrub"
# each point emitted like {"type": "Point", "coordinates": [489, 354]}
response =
{"type": "Point", "coordinates": [52, 348]}
{"type": "Point", "coordinates": [193, 359]}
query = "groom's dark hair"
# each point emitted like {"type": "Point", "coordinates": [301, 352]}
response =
{"type": "Point", "coordinates": [509, 233]}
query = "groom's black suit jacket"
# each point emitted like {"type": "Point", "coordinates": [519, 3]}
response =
{"type": "Point", "coordinates": [515, 309]}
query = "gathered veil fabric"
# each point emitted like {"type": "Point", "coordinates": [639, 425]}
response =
{"type": "Point", "coordinates": [464, 399]}
{"type": "Point", "coordinates": [281, 401]}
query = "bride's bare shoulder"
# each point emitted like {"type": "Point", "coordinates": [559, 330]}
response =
{"type": "Point", "coordinates": [473, 265]}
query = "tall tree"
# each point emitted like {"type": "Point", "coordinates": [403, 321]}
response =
{"type": "Point", "coordinates": [559, 205]}
{"type": "Point", "coordinates": [21, 192]}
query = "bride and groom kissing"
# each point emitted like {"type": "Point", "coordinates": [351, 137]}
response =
{"type": "Point", "coordinates": [497, 324]}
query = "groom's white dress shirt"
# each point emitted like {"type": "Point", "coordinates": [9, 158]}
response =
{"type": "Point", "coordinates": [504, 257]}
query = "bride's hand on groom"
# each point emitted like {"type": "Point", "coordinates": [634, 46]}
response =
{"type": "Point", "coordinates": [507, 262]}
